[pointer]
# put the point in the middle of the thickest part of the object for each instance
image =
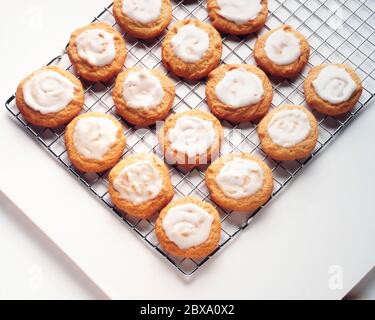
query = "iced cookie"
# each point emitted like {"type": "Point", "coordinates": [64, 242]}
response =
{"type": "Point", "coordinates": [332, 89]}
{"type": "Point", "coordinates": [239, 182]}
{"type": "Point", "coordinates": [140, 185]}
{"type": "Point", "coordinates": [143, 19]}
{"type": "Point", "coordinates": [50, 97]}
{"type": "Point", "coordinates": [97, 51]}
{"type": "Point", "coordinates": [238, 92]}
{"type": "Point", "coordinates": [282, 52]}
{"type": "Point", "coordinates": [192, 49]}
{"type": "Point", "coordinates": [95, 142]}
{"type": "Point", "coordinates": [288, 133]}
{"type": "Point", "coordinates": [143, 97]}
{"type": "Point", "coordinates": [238, 16]}
{"type": "Point", "coordinates": [191, 138]}
{"type": "Point", "coordinates": [189, 228]}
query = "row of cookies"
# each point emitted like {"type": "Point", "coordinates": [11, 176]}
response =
{"type": "Point", "coordinates": [52, 97]}
{"type": "Point", "coordinates": [96, 141]}
{"type": "Point", "coordinates": [146, 19]}
{"type": "Point", "coordinates": [192, 49]}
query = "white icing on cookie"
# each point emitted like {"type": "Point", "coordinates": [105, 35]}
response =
{"type": "Point", "coordinates": [187, 225]}
{"type": "Point", "coordinates": [239, 88]}
{"type": "Point", "coordinates": [192, 136]}
{"type": "Point", "coordinates": [289, 127]}
{"type": "Point", "coordinates": [240, 178]}
{"type": "Point", "coordinates": [142, 11]}
{"type": "Point", "coordinates": [96, 46]}
{"type": "Point", "coordinates": [94, 136]}
{"type": "Point", "coordinates": [142, 90]}
{"type": "Point", "coordinates": [282, 47]}
{"type": "Point", "coordinates": [190, 43]}
{"type": "Point", "coordinates": [334, 84]}
{"type": "Point", "coordinates": [139, 182]}
{"type": "Point", "coordinates": [48, 92]}
{"type": "Point", "coordinates": [239, 11]}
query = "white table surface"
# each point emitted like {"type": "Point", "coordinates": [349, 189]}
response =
{"type": "Point", "coordinates": [286, 253]}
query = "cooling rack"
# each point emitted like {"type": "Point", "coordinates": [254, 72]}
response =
{"type": "Point", "coordinates": [338, 32]}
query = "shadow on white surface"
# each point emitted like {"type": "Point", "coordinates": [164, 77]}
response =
{"type": "Point", "coordinates": [31, 283]}
{"type": "Point", "coordinates": [365, 289]}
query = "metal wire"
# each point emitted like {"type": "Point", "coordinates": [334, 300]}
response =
{"type": "Point", "coordinates": [338, 32]}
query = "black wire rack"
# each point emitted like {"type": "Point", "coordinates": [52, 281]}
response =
{"type": "Point", "coordinates": [338, 31]}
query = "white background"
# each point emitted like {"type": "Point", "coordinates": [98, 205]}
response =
{"type": "Point", "coordinates": [325, 218]}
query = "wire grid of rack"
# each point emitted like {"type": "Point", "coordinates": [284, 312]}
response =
{"type": "Point", "coordinates": [338, 32]}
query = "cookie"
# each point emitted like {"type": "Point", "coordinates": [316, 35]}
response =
{"type": "Point", "coordinates": [97, 51]}
{"type": "Point", "coordinates": [190, 138]}
{"type": "Point", "coordinates": [288, 132]}
{"type": "Point", "coordinates": [143, 97]}
{"type": "Point", "coordinates": [238, 92]}
{"type": "Point", "coordinates": [282, 52]}
{"type": "Point", "coordinates": [95, 142]}
{"type": "Point", "coordinates": [238, 17]}
{"type": "Point", "coordinates": [239, 182]}
{"type": "Point", "coordinates": [50, 97]}
{"type": "Point", "coordinates": [192, 49]}
{"type": "Point", "coordinates": [140, 185]}
{"type": "Point", "coordinates": [189, 228]}
{"type": "Point", "coordinates": [332, 89]}
{"type": "Point", "coordinates": [144, 19]}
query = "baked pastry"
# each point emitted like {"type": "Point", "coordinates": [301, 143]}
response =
{"type": "Point", "coordinates": [189, 228]}
{"type": "Point", "coordinates": [288, 133]}
{"type": "Point", "coordinates": [239, 182]}
{"type": "Point", "coordinates": [282, 52]}
{"type": "Point", "coordinates": [238, 92]}
{"type": "Point", "coordinates": [143, 97]}
{"type": "Point", "coordinates": [95, 142]}
{"type": "Point", "coordinates": [140, 185]}
{"type": "Point", "coordinates": [97, 51]}
{"type": "Point", "coordinates": [50, 97]}
{"type": "Point", "coordinates": [144, 19]}
{"type": "Point", "coordinates": [192, 49]}
{"type": "Point", "coordinates": [332, 89]}
{"type": "Point", "coordinates": [190, 138]}
{"type": "Point", "coordinates": [238, 17]}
